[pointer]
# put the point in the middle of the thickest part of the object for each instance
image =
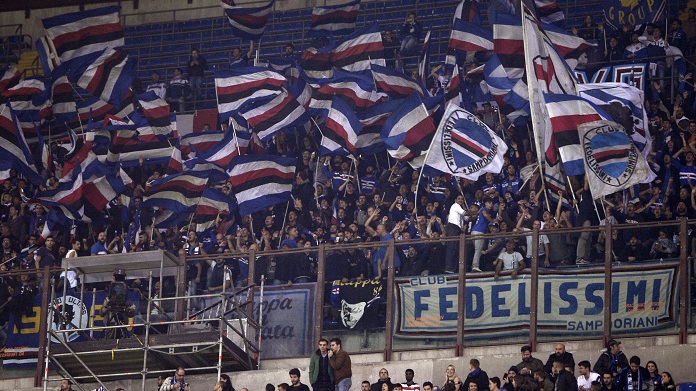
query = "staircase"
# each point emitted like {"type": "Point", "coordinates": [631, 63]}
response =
{"type": "Point", "coordinates": [29, 62]}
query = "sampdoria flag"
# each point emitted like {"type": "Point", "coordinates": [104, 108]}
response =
{"type": "Point", "coordinates": [261, 181]}
{"type": "Point", "coordinates": [395, 84]}
{"type": "Point", "coordinates": [67, 195]}
{"type": "Point", "coordinates": [14, 146]}
{"type": "Point", "coordinates": [237, 87]}
{"type": "Point", "coordinates": [341, 129]}
{"type": "Point", "coordinates": [337, 19]}
{"type": "Point", "coordinates": [424, 60]}
{"type": "Point", "coordinates": [107, 74]}
{"type": "Point", "coordinates": [508, 43]}
{"type": "Point", "coordinates": [453, 90]}
{"type": "Point", "coordinates": [612, 161]}
{"type": "Point", "coordinates": [356, 89]}
{"type": "Point", "coordinates": [549, 12]}
{"type": "Point", "coordinates": [86, 32]}
{"type": "Point", "coordinates": [213, 204]}
{"type": "Point", "coordinates": [176, 192]}
{"type": "Point", "coordinates": [10, 76]}
{"type": "Point", "coordinates": [283, 111]}
{"type": "Point", "coordinates": [359, 50]}
{"type": "Point", "coordinates": [247, 22]}
{"type": "Point", "coordinates": [408, 132]}
{"type": "Point", "coordinates": [464, 146]}
{"type": "Point", "coordinates": [470, 37]}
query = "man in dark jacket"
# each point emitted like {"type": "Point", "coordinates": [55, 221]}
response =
{"type": "Point", "coordinates": [383, 378]}
{"type": "Point", "coordinates": [635, 377]}
{"type": "Point", "coordinates": [321, 375]}
{"type": "Point", "coordinates": [561, 355]}
{"type": "Point", "coordinates": [196, 68]}
{"type": "Point", "coordinates": [476, 375]}
{"type": "Point", "coordinates": [529, 364]}
{"type": "Point", "coordinates": [565, 381]}
{"type": "Point", "coordinates": [611, 359]}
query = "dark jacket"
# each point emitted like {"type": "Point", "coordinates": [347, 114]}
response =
{"type": "Point", "coordinates": [478, 376]}
{"type": "Point", "coordinates": [643, 378]}
{"type": "Point", "coordinates": [565, 381]}
{"type": "Point", "coordinates": [378, 385]}
{"type": "Point", "coordinates": [607, 363]}
{"type": "Point", "coordinates": [315, 366]}
{"type": "Point", "coordinates": [196, 69]}
{"type": "Point", "coordinates": [340, 362]}
{"type": "Point", "coordinates": [566, 358]}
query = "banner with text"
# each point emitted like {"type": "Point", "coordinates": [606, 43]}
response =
{"type": "Point", "coordinates": [643, 298]}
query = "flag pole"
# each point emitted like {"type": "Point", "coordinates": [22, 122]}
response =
{"type": "Point", "coordinates": [234, 131]}
{"type": "Point", "coordinates": [425, 160]}
{"type": "Point", "coordinates": [357, 177]}
{"type": "Point", "coordinates": [282, 229]}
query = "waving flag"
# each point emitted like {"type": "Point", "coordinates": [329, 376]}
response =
{"type": "Point", "coordinates": [549, 12]}
{"type": "Point", "coordinates": [13, 143]}
{"type": "Point", "coordinates": [408, 132]}
{"type": "Point", "coordinates": [247, 23]}
{"type": "Point", "coordinates": [567, 113]}
{"type": "Point", "coordinates": [30, 101]}
{"type": "Point", "coordinates": [107, 74]}
{"type": "Point", "coordinates": [569, 46]}
{"type": "Point", "coordinates": [468, 10]}
{"type": "Point", "coordinates": [177, 192]}
{"type": "Point", "coordinates": [470, 37]}
{"type": "Point", "coordinates": [68, 195]}
{"type": "Point", "coordinates": [9, 77]}
{"type": "Point", "coordinates": [175, 164]}
{"type": "Point", "coordinates": [395, 84]}
{"type": "Point", "coordinates": [237, 87]}
{"type": "Point", "coordinates": [213, 203]}
{"type": "Point", "coordinates": [337, 19]}
{"type": "Point", "coordinates": [354, 88]}
{"type": "Point", "coordinates": [617, 12]}
{"type": "Point", "coordinates": [547, 72]}
{"type": "Point", "coordinates": [453, 91]}
{"type": "Point", "coordinates": [222, 153]}
{"type": "Point", "coordinates": [465, 147]}
{"type": "Point", "coordinates": [316, 64]}
{"type": "Point", "coordinates": [62, 99]}
{"type": "Point", "coordinates": [86, 32]}
{"type": "Point", "coordinates": [424, 60]}
{"type": "Point", "coordinates": [624, 103]}
{"type": "Point", "coordinates": [508, 44]}
{"type": "Point", "coordinates": [100, 190]}
{"type": "Point", "coordinates": [157, 113]}
{"type": "Point", "coordinates": [499, 84]}
{"type": "Point", "coordinates": [261, 181]}
{"type": "Point", "coordinates": [97, 110]}
{"type": "Point", "coordinates": [283, 111]}
{"type": "Point", "coordinates": [342, 128]}
{"type": "Point", "coordinates": [555, 182]}
{"type": "Point", "coordinates": [612, 161]}
{"type": "Point", "coordinates": [193, 143]}
{"type": "Point", "coordinates": [359, 50]}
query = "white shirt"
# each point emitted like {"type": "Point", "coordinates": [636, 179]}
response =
{"type": "Point", "coordinates": [587, 383]}
{"type": "Point", "coordinates": [456, 215]}
{"type": "Point", "coordinates": [510, 261]}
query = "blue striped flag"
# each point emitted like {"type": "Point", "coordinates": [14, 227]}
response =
{"type": "Point", "coordinates": [247, 22]}
{"type": "Point", "coordinates": [261, 181]}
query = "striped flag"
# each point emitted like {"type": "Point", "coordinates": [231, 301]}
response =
{"type": "Point", "coordinates": [247, 22]}
{"type": "Point", "coordinates": [547, 73]}
{"type": "Point", "coordinates": [569, 46]}
{"type": "Point", "coordinates": [10, 76]}
{"type": "Point", "coordinates": [470, 37]}
{"type": "Point", "coordinates": [13, 143]}
{"type": "Point", "coordinates": [100, 190]}
{"type": "Point", "coordinates": [408, 132]}
{"type": "Point", "coordinates": [508, 44]}
{"type": "Point", "coordinates": [157, 113]}
{"type": "Point", "coordinates": [30, 101]}
{"type": "Point", "coordinates": [316, 64]}
{"type": "Point", "coordinates": [175, 164]}
{"type": "Point", "coordinates": [107, 74]}
{"type": "Point", "coordinates": [341, 130]}
{"type": "Point", "coordinates": [566, 114]}
{"type": "Point", "coordinates": [468, 10]}
{"type": "Point", "coordinates": [359, 50]}
{"type": "Point", "coordinates": [236, 87]}
{"type": "Point", "coordinates": [86, 32]}
{"type": "Point", "coordinates": [499, 84]}
{"type": "Point", "coordinates": [177, 192]}
{"type": "Point", "coordinates": [193, 143]}
{"type": "Point", "coordinates": [555, 182]}
{"type": "Point", "coordinates": [261, 181]}
{"type": "Point", "coordinates": [283, 111]}
{"type": "Point", "coordinates": [97, 109]}
{"type": "Point", "coordinates": [396, 84]}
{"type": "Point", "coordinates": [356, 89]}
{"type": "Point", "coordinates": [213, 203]}
{"type": "Point", "coordinates": [221, 153]}
{"type": "Point", "coordinates": [424, 60]}
{"type": "Point", "coordinates": [453, 91]}
{"type": "Point", "coordinates": [62, 99]}
{"type": "Point", "coordinates": [549, 12]}
{"type": "Point", "coordinates": [67, 195]}
{"type": "Point", "coordinates": [337, 19]}
{"type": "Point", "coordinates": [465, 147]}
{"type": "Point", "coordinates": [47, 54]}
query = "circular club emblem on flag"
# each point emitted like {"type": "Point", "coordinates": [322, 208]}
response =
{"type": "Point", "coordinates": [71, 314]}
{"type": "Point", "coordinates": [467, 144]}
{"type": "Point", "coordinates": [609, 154]}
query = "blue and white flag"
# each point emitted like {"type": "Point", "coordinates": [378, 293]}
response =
{"type": "Point", "coordinates": [464, 146]}
{"type": "Point", "coordinates": [261, 181]}
{"type": "Point", "coordinates": [247, 22]}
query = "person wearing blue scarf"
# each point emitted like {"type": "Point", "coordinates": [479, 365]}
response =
{"type": "Point", "coordinates": [611, 360]}
{"type": "Point", "coordinates": [635, 377]}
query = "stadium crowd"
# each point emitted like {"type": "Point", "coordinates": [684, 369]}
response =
{"type": "Point", "coordinates": [337, 200]}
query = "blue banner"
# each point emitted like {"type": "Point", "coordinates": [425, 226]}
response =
{"type": "Point", "coordinates": [643, 299]}
{"type": "Point", "coordinates": [632, 12]}
{"type": "Point", "coordinates": [23, 334]}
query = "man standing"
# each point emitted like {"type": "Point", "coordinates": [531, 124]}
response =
{"type": "Point", "coordinates": [410, 385]}
{"type": "Point", "coordinates": [561, 355]}
{"type": "Point", "coordinates": [410, 34]}
{"type": "Point", "coordinates": [99, 248]}
{"type": "Point", "coordinates": [196, 68]}
{"type": "Point", "coordinates": [340, 362]}
{"type": "Point", "coordinates": [529, 364]}
{"type": "Point", "coordinates": [476, 375]}
{"type": "Point", "coordinates": [455, 222]}
{"type": "Point", "coordinates": [295, 384]}
{"type": "Point", "coordinates": [565, 381]}
{"type": "Point", "coordinates": [611, 359]}
{"type": "Point", "coordinates": [586, 376]}
{"type": "Point", "coordinates": [321, 375]}
{"type": "Point", "coordinates": [383, 379]}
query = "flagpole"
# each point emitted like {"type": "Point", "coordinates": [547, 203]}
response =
{"type": "Point", "coordinates": [572, 192]}
{"type": "Point", "coordinates": [425, 160]}
{"type": "Point", "coordinates": [234, 131]}
{"type": "Point", "coordinates": [345, 189]}
{"type": "Point", "coordinates": [357, 178]}
{"type": "Point", "coordinates": [282, 229]}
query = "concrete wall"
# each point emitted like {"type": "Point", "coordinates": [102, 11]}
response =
{"type": "Point", "coordinates": [429, 365]}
